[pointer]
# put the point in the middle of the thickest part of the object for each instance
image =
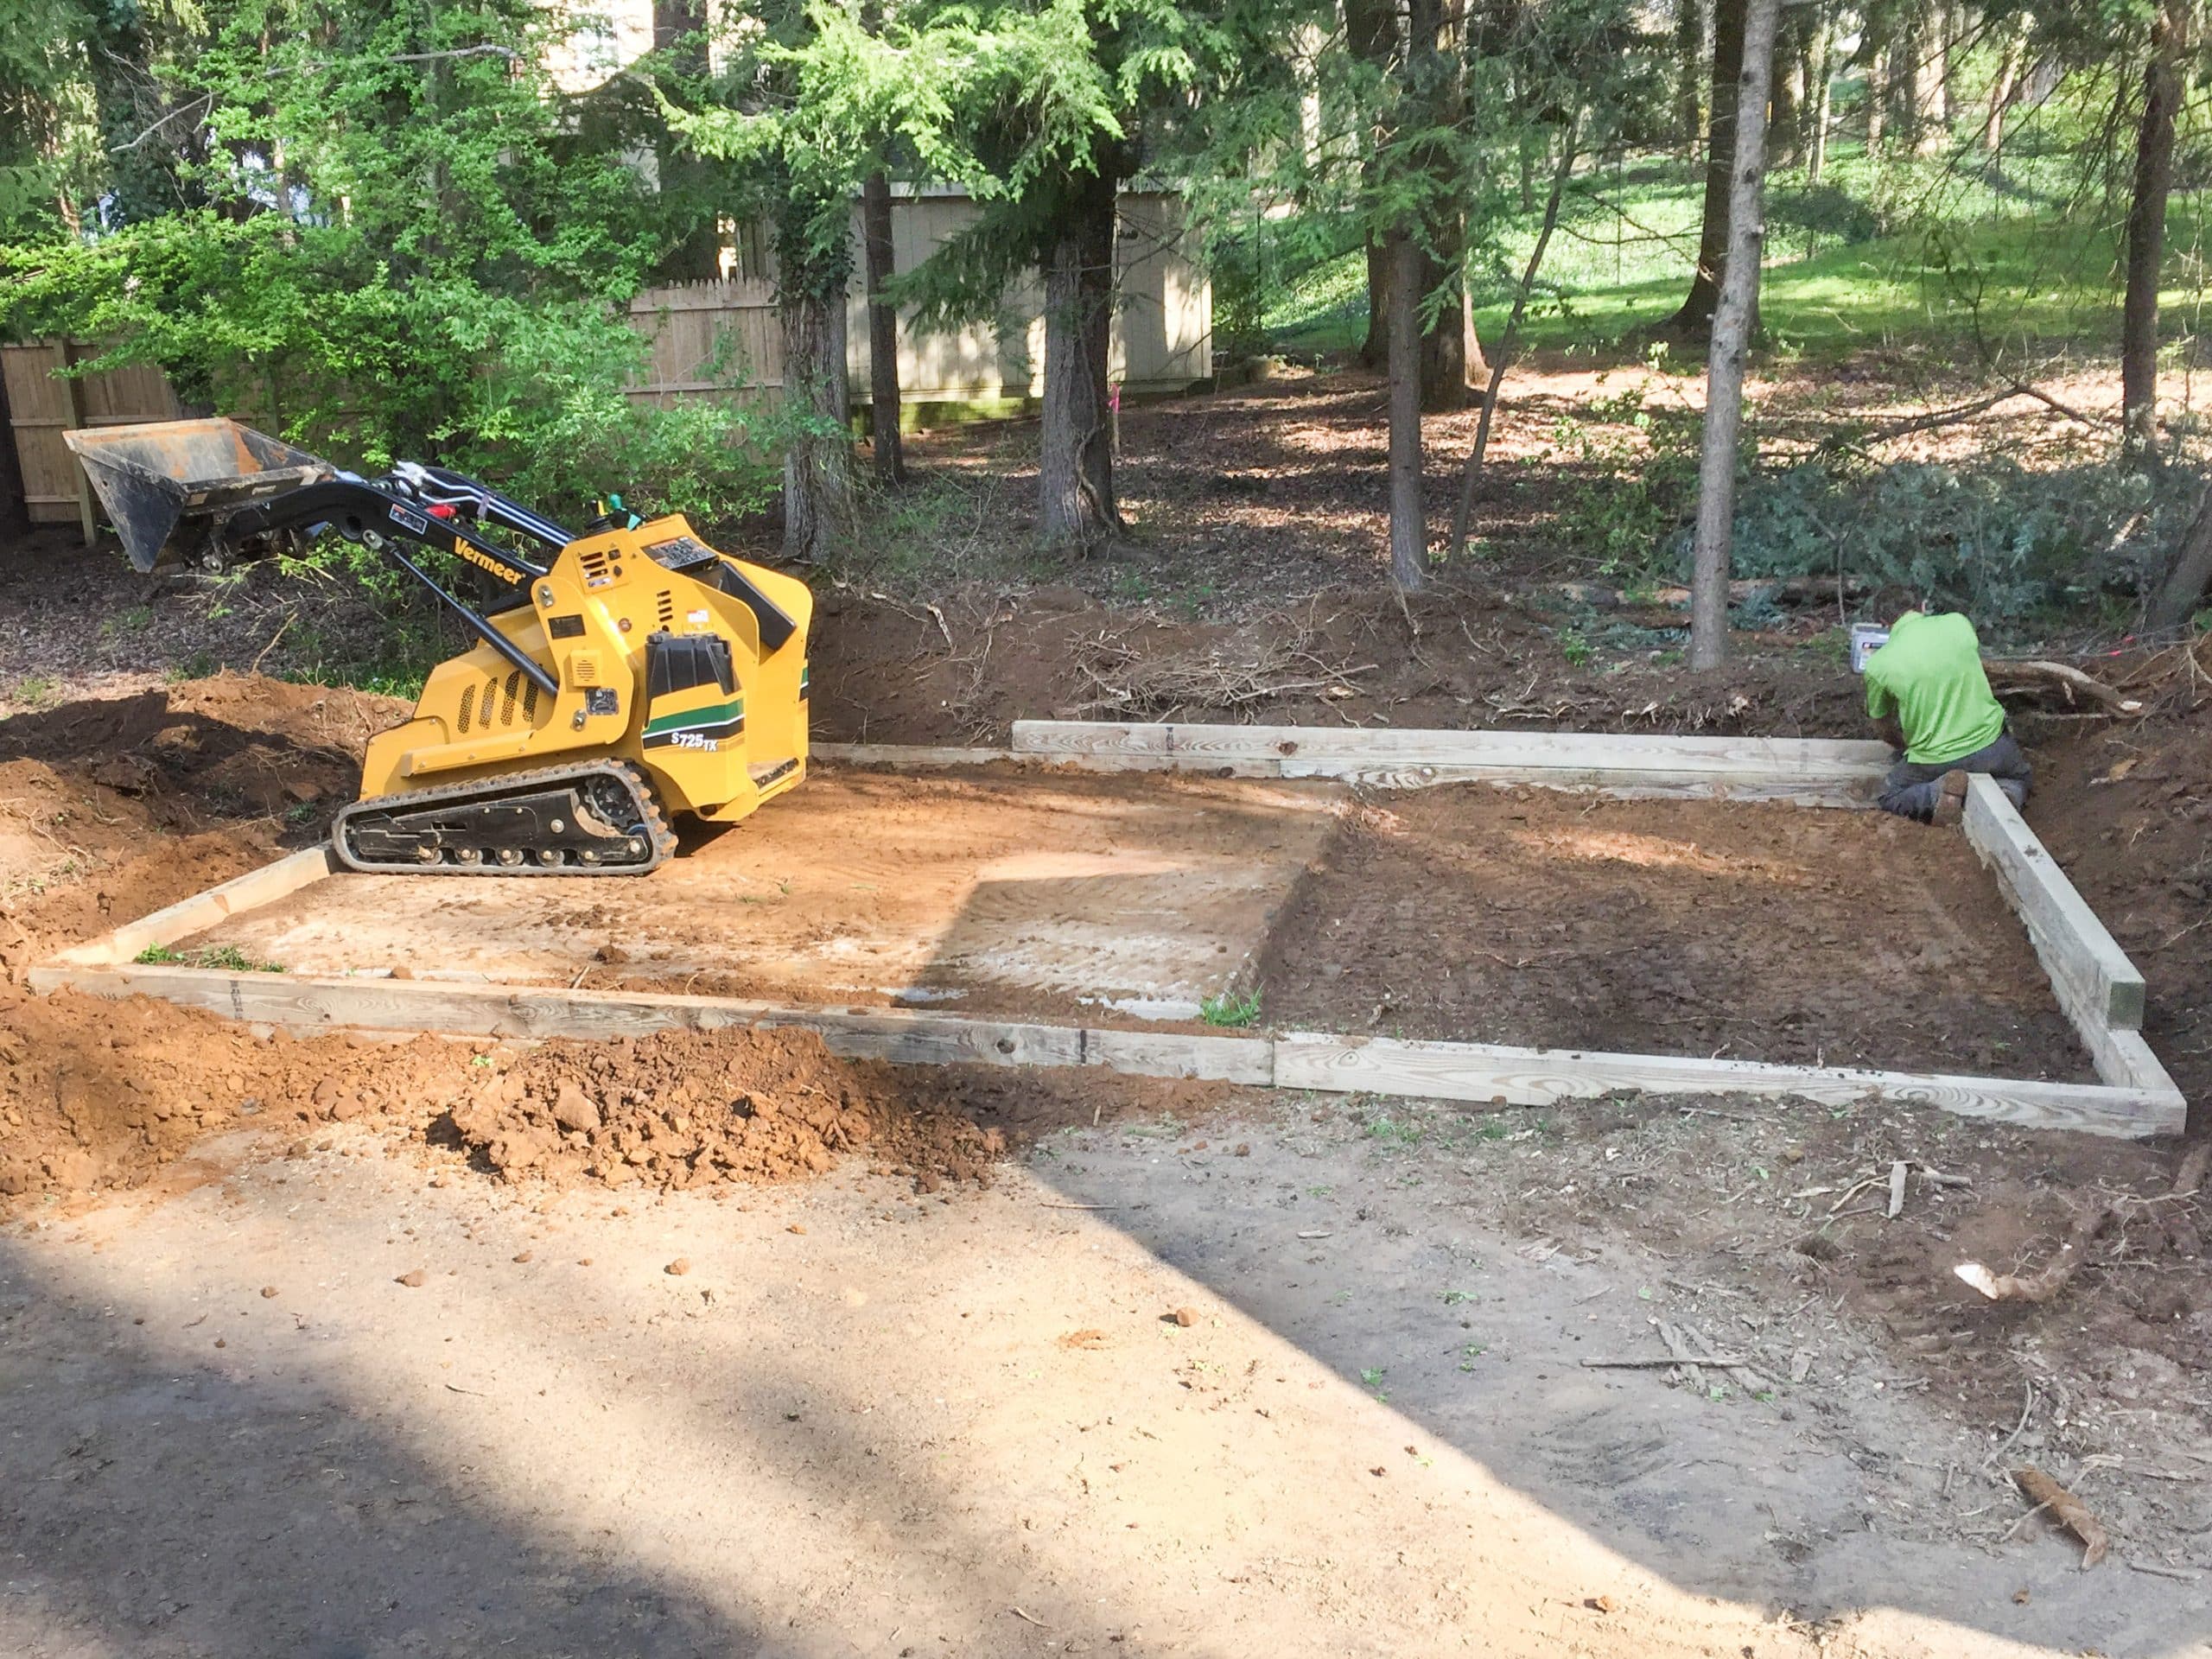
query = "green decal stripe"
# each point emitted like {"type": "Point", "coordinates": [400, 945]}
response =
{"type": "Point", "coordinates": [714, 715]}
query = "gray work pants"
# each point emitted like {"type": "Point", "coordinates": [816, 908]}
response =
{"type": "Point", "coordinates": [1911, 790]}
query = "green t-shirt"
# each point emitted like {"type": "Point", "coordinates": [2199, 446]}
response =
{"type": "Point", "coordinates": [1930, 674]}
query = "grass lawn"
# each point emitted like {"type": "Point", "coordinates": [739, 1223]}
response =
{"type": "Point", "coordinates": [1899, 255]}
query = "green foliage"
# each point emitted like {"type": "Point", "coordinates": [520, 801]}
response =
{"type": "Point", "coordinates": [228, 957]}
{"type": "Point", "coordinates": [400, 249]}
{"type": "Point", "coordinates": [1632, 467]}
{"type": "Point", "coordinates": [1234, 1009]}
{"type": "Point", "coordinates": [1990, 537]}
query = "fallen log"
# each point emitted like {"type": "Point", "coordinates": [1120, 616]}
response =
{"type": "Point", "coordinates": [2071, 680]}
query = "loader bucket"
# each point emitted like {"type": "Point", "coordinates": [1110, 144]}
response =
{"type": "Point", "coordinates": [166, 483]}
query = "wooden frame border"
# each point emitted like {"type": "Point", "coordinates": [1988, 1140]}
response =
{"type": "Point", "coordinates": [2094, 981]}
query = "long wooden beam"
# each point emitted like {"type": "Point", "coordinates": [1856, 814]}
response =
{"type": "Point", "coordinates": [1485, 1072]}
{"type": "Point", "coordinates": [1812, 771]}
{"type": "Point", "coordinates": [205, 910]}
{"type": "Point", "coordinates": [2092, 975]}
{"type": "Point", "coordinates": [1529, 1076]}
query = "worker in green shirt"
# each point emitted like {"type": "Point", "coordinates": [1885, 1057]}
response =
{"type": "Point", "coordinates": [1927, 690]}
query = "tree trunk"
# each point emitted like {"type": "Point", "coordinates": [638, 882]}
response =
{"type": "Point", "coordinates": [2147, 235]}
{"type": "Point", "coordinates": [1689, 71]}
{"type": "Point", "coordinates": [882, 332]}
{"type": "Point", "coordinates": [1371, 31]}
{"type": "Point", "coordinates": [1433, 62]}
{"type": "Point", "coordinates": [2001, 89]}
{"type": "Point", "coordinates": [15, 504]}
{"type": "Point", "coordinates": [1732, 324]}
{"type": "Point", "coordinates": [1374, 350]}
{"type": "Point", "coordinates": [143, 164]}
{"type": "Point", "coordinates": [1788, 102]}
{"type": "Point", "coordinates": [1695, 320]}
{"type": "Point", "coordinates": [680, 39]}
{"type": "Point", "coordinates": [818, 463]}
{"type": "Point", "coordinates": [1924, 78]}
{"type": "Point", "coordinates": [1408, 519]}
{"type": "Point", "coordinates": [1877, 53]}
{"type": "Point", "coordinates": [2184, 586]}
{"type": "Point", "coordinates": [1463, 515]}
{"type": "Point", "coordinates": [1816, 144]}
{"type": "Point", "coordinates": [1076, 461]}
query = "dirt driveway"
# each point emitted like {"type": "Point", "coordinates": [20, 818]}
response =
{"type": "Point", "coordinates": [862, 1420]}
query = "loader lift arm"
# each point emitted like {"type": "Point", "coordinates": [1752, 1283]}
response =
{"type": "Point", "coordinates": [424, 504]}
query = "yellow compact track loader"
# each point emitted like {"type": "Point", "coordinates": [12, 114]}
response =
{"type": "Point", "coordinates": [630, 672]}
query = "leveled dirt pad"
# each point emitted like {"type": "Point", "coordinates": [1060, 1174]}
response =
{"type": "Point", "coordinates": [1005, 892]}
{"type": "Point", "coordinates": [1696, 928]}
{"type": "Point", "coordinates": [1758, 932]}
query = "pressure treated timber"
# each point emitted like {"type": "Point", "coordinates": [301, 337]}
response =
{"type": "Point", "coordinates": [1818, 771]}
{"type": "Point", "coordinates": [908, 757]}
{"type": "Point", "coordinates": [209, 909]}
{"type": "Point", "coordinates": [2137, 1097]}
{"type": "Point", "coordinates": [1529, 1076]}
{"type": "Point", "coordinates": [2095, 982]}
{"type": "Point", "coordinates": [1465, 1072]}
{"type": "Point", "coordinates": [302, 1004]}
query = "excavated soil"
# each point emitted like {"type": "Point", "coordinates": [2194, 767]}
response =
{"type": "Point", "coordinates": [112, 807]}
{"type": "Point", "coordinates": [2127, 811]}
{"type": "Point", "coordinates": [98, 1094]}
{"type": "Point", "coordinates": [1744, 931]}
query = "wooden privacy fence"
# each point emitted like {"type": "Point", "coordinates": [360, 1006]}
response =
{"type": "Point", "coordinates": [43, 403]}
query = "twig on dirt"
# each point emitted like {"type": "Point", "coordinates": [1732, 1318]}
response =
{"type": "Point", "coordinates": [2157, 1572]}
{"type": "Point", "coordinates": [1934, 420]}
{"type": "Point", "coordinates": [2070, 1510]}
{"type": "Point", "coordinates": [1078, 1206]}
{"type": "Point", "coordinates": [1030, 1618]}
{"type": "Point", "coordinates": [2022, 389]}
{"type": "Point", "coordinates": [255, 667]}
{"type": "Point", "coordinates": [943, 627]}
{"type": "Point", "coordinates": [1656, 1362]}
{"type": "Point", "coordinates": [1157, 687]}
{"type": "Point", "coordinates": [2027, 1409]}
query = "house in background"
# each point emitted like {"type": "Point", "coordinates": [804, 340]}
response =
{"type": "Point", "coordinates": [723, 339]}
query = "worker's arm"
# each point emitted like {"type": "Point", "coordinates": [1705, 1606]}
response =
{"type": "Point", "coordinates": [1882, 709]}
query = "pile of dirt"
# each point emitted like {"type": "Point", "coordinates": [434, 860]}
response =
{"type": "Point", "coordinates": [687, 1108]}
{"type": "Point", "coordinates": [113, 807]}
{"type": "Point", "coordinates": [978, 658]}
{"type": "Point", "coordinates": [99, 1095]}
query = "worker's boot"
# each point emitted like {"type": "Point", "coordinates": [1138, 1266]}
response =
{"type": "Point", "coordinates": [1951, 799]}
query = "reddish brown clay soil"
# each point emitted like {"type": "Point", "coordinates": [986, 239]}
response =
{"type": "Point", "coordinates": [1667, 927]}
{"type": "Point", "coordinates": [112, 807]}
{"type": "Point", "coordinates": [889, 673]}
{"type": "Point", "coordinates": [98, 1094]}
